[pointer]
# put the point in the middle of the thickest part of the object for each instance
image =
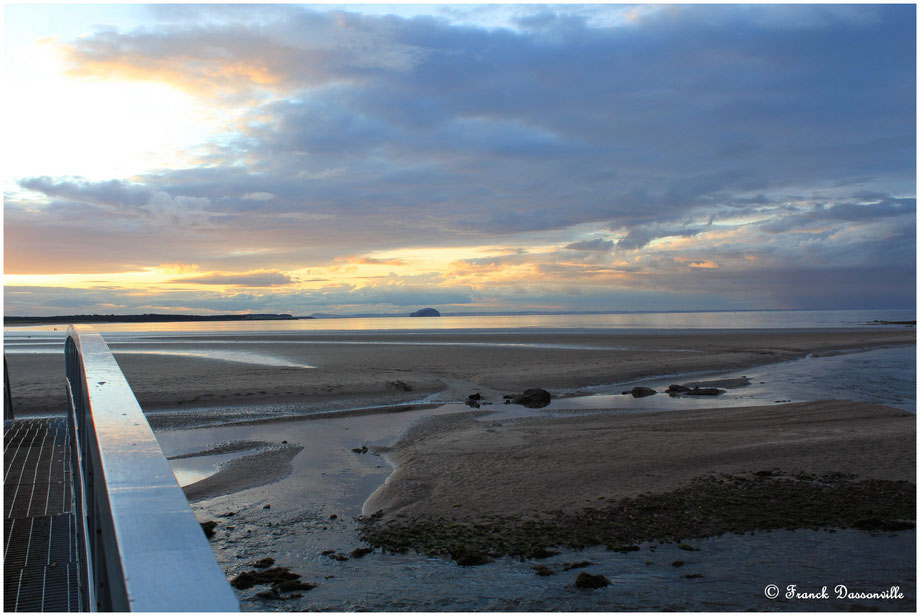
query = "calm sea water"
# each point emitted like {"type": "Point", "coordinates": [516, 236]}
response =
{"type": "Point", "coordinates": [18, 338]}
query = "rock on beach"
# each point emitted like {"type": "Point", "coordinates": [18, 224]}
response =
{"type": "Point", "coordinates": [534, 398]}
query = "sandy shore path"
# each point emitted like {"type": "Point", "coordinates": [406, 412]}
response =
{"type": "Point", "coordinates": [347, 370]}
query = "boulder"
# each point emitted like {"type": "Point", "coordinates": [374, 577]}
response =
{"type": "Point", "coordinates": [676, 389]}
{"type": "Point", "coordinates": [361, 552]}
{"type": "Point", "coordinates": [705, 391]}
{"type": "Point", "coordinates": [466, 557]}
{"type": "Point", "coordinates": [641, 392]}
{"type": "Point", "coordinates": [275, 575]}
{"type": "Point", "coordinates": [426, 312]}
{"type": "Point", "coordinates": [534, 398]}
{"type": "Point", "coordinates": [590, 580]}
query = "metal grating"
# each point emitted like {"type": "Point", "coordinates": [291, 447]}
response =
{"type": "Point", "coordinates": [40, 564]}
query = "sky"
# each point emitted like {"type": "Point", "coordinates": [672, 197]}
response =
{"type": "Point", "coordinates": [378, 159]}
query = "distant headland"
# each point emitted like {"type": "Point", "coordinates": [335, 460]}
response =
{"type": "Point", "coordinates": [145, 318]}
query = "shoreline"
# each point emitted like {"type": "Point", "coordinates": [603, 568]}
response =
{"type": "Point", "coordinates": [400, 372]}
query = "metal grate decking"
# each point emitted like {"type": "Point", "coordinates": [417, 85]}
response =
{"type": "Point", "coordinates": [40, 539]}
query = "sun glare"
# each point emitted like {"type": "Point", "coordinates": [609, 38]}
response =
{"type": "Point", "coordinates": [57, 125]}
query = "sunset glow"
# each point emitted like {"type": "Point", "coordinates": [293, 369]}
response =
{"type": "Point", "coordinates": [300, 159]}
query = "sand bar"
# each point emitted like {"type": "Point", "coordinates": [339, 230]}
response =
{"type": "Point", "coordinates": [257, 469]}
{"type": "Point", "coordinates": [458, 467]}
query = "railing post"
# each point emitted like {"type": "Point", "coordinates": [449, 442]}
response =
{"type": "Point", "coordinates": [142, 547]}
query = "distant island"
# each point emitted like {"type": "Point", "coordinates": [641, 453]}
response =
{"type": "Point", "coordinates": [426, 312]}
{"type": "Point", "coordinates": [146, 318]}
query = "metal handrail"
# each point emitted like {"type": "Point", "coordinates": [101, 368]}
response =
{"type": "Point", "coordinates": [141, 548]}
{"type": "Point", "coordinates": [7, 397]}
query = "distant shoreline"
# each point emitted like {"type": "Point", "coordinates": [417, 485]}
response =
{"type": "Point", "coordinates": [145, 318]}
{"type": "Point", "coordinates": [165, 318]}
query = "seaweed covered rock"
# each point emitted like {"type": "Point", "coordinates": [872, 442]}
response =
{"type": "Point", "coordinates": [275, 575]}
{"type": "Point", "coordinates": [709, 506]}
{"type": "Point", "coordinates": [534, 398]}
{"type": "Point", "coordinates": [466, 557]}
{"type": "Point", "coordinates": [641, 392]}
{"type": "Point", "coordinates": [704, 391]}
{"type": "Point", "coordinates": [208, 528]}
{"type": "Point", "coordinates": [591, 580]}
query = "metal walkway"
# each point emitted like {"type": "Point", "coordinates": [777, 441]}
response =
{"type": "Point", "coordinates": [39, 526]}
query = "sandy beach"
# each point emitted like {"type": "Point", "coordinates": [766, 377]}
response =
{"type": "Point", "coordinates": [373, 369]}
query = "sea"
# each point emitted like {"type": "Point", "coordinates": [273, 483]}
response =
{"type": "Point", "coordinates": [751, 319]}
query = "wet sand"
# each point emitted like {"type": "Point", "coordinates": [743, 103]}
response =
{"type": "Point", "coordinates": [267, 466]}
{"type": "Point", "coordinates": [372, 369]}
{"type": "Point", "coordinates": [455, 467]}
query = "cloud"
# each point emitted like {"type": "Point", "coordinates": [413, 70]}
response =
{"type": "Point", "coordinates": [109, 194]}
{"type": "Point", "coordinates": [178, 268]}
{"type": "Point", "coordinates": [124, 199]}
{"type": "Point", "coordinates": [251, 279]}
{"type": "Point", "coordinates": [245, 57]}
{"type": "Point", "coordinates": [640, 236]}
{"type": "Point", "coordinates": [258, 196]}
{"type": "Point", "coordinates": [758, 138]}
{"type": "Point", "coordinates": [361, 260]}
{"type": "Point", "coordinates": [879, 207]}
{"type": "Point", "coordinates": [598, 244]}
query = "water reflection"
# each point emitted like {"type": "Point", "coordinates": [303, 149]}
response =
{"type": "Point", "coordinates": [638, 320]}
{"type": "Point", "coordinates": [879, 376]}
